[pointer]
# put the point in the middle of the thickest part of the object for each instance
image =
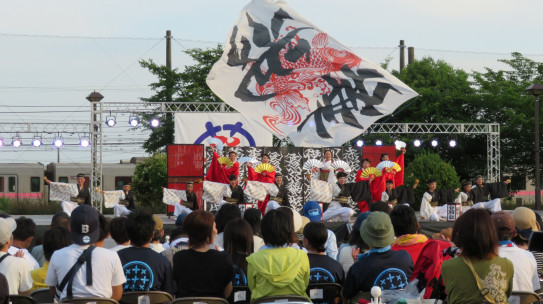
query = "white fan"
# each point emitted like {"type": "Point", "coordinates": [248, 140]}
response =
{"type": "Point", "coordinates": [390, 165]}
{"type": "Point", "coordinates": [400, 144]}
{"type": "Point", "coordinates": [213, 141]}
{"type": "Point", "coordinates": [312, 163]}
{"type": "Point", "coordinates": [340, 165]}
{"type": "Point", "coordinates": [247, 159]}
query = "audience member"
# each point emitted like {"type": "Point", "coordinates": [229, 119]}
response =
{"type": "Point", "coordinates": [158, 233]}
{"type": "Point", "coordinates": [22, 238]}
{"type": "Point", "coordinates": [178, 241]}
{"type": "Point", "coordinates": [294, 242]}
{"type": "Point", "coordinates": [53, 240]}
{"type": "Point", "coordinates": [478, 264]}
{"type": "Point", "coordinates": [104, 230]}
{"type": "Point", "coordinates": [226, 213]}
{"type": "Point", "coordinates": [331, 241]}
{"type": "Point", "coordinates": [380, 206]}
{"type": "Point", "coordinates": [253, 216]}
{"type": "Point", "coordinates": [526, 223]}
{"type": "Point", "coordinates": [13, 268]}
{"type": "Point", "coordinates": [107, 271]}
{"type": "Point", "coordinates": [117, 230]}
{"type": "Point", "coordinates": [380, 266]}
{"type": "Point", "coordinates": [348, 252]}
{"type": "Point", "coordinates": [404, 221]}
{"type": "Point", "coordinates": [525, 276]}
{"type": "Point", "coordinates": [144, 268]}
{"type": "Point", "coordinates": [538, 255]}
{"type": "Point", "coordinates": [4, 290]}
{"type": "Point", "coordinates": [200, 271]}
{"type": "Point", "coordinates": [238, 243]}
{"type": "Point", "coordinates": [322, 268]}
{"type": "Point", "coordinates": [60, 219]}
{"type": "Point", "coordinates": [277, 269]}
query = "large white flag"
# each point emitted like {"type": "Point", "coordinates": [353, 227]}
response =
{"type": "Point", "coordinates": [284, 72]}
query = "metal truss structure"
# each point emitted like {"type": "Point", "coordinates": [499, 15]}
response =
{"type": "Point", "coordinates": [491, 130]}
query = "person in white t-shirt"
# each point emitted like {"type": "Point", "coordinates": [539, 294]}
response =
{"type": "Point", "coordinates": [22, 237]}
{"type": "Point", "coordinates": [107, 271]}
{"type": "Point", "coordinates": [525, 277]}
{"type": "Point", "coordinates": [13, 268]}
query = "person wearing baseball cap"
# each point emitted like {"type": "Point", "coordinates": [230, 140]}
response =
{"type": "Point", "coordinates": [525, 224]}
{"type": "Point", "coordinates": [101, 274]}
{"type": "Point", "coordinates": [525, 277]}
{"type": "Point", "coordinates": [381, 266]}
{"type": "Point", "coordinates": [14, 269]}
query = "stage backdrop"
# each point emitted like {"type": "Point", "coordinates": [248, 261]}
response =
{"type": "Point", "coordinates": [289, 161]}
{"type": "Point", "coordinates": [232, 129]}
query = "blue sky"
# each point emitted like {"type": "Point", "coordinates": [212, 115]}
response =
{"type": "Point", "coordinates": [54, 53]}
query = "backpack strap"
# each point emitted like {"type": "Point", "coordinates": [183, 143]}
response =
{"type": "Point", "coordinates": [4, 256]}
{"type": "Point", "coordinates": [480, 284]}
{"type": "Point", "coordinates": [69, 278]}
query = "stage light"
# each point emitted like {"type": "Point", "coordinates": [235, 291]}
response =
{"type": "Point", "coordinates": [359, 143]}
{"type": "Point", "coordinates": [16, 141]}
{"type": "Point", "coordinates": [36, 141]}
{"type": "Point", "coordinates": [378, 142]}
{"type": "Point", "coordinates": [434, 143]}
{"type": "Point", "coordinates": [84, 142]}
{"type": "Point", "coordinates": [155, 122]}
{"type": "Point", "coordinates": [452, 143]}
{"type": "Point", "coordinates": [111, 120]}
{"type": "Point", "coordinates": [133, 121]}
{"type": "Point", "coordinates": [58, 142]}
{"type": "Point", "coordinates": [417, 143]}
{"type": "Point", "coordinates": [1, 142]}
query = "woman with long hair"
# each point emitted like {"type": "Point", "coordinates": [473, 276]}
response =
{"type": "Point", "coordinates": [238, 243]}
{"type": "Point", "coordinates": [478, 274]}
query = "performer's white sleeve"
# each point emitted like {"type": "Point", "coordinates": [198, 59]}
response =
{"type": "Point", "coordinates": [214, 192]}
{"type": "Point", "coordinates": [426, 210]}
{"type": "Point", "coordinates": [62, 191]}
{"type": "Point", "coordinates": [259, 190]}
{"type": "Point", "coordinates": [462, 198]}
{"type": "Point", "coordinates": [112, 198]}
{"type": "Point", "coordinates": [384, 196]}
{"type": "Point", "coordinates": [173, 196]}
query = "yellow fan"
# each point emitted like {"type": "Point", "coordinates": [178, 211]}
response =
{"type": "Point", "coordinates": [371, 171]}
{"type": "Point", "coordinates": [264, 167]}
{"type": "Point", "coordinates": [396, 167]}
{"type": "Point", "coordinates": [223, 160]}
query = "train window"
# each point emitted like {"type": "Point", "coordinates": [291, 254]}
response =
{"type": "Point", "coordinates": [63, 179]}
{"type": "Point", "coordinates": [122, 180]}
{"type": "Point", "coordinates": [35, 184]}
{"type": "Point", "coordinates": [1, 184]}
{"type": "Point", "coordinates": [12, 184]}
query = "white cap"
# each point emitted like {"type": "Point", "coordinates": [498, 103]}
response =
{"type": "Point", "coordinates": [7, 226]}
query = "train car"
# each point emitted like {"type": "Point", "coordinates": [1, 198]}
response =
{"type": "Point", "coordinates": [114, 175]}
{"type": "Point", "coordinates": [22, 181]}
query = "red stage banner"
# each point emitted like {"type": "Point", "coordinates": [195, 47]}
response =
{"type": "Point", "coordinates": [186, 164]}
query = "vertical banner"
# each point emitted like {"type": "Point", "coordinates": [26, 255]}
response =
{"type": "Point", "coordinates": [232, 129]}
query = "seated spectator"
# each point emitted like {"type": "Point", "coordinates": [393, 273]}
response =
{"type": "Point", "coordinates": [53, 240]}
{"type": "Point", "coordinates": [277, 269]}
{"type": "Point", "coordinates": [538, 255]}
{"type": "Point", "coordinates": [312, 209]}
{"type": "Point", "coordinates": [404, 221]}
{"type": "Point", "coordinates": [107, 270]}
{"type": "Point", "coordinates": [525, 277]}
{"type": "Point", "coordinates": [144, 268]}
{"type": "Point", "coordinates": [253, 216]}
{"type": "Point", "coordinates": [200, 271]}
{"type": "Point", "coordinates": [13, 268]}
{"type": "Point", "coordinates": [294, 241]}
{"type": "Point", "coordinates": [104, 231]}
{"type": "Point", "coordinates": [526, 222]}
{"type": "Point", "coordinates": [4, 290]}
{"type": "Point", "coordinates": [348, 252]}
{"type": "Point", "coordinates": [322, 268]}
{"type": "Point", "coordinates": [117, 230]}
{"type": "Point", "coordinates": [380, 266]}
{"type": "Point", "coordinates": [179, 241]}
{"type": "Point", "coordinates": [158, 233]}
{"type": "Point", "coordinates": [380, 206]}
{"type": "Point", "coordinates": [238, 243]}
{"type": "Point", "coordinates": [475, 235]}
{"type": "Point", "coordinates": [60, 219]}
{"type": "Point", "coordinates": [22, 238]}
{"type": "Point", "coordinates": [226, 213]}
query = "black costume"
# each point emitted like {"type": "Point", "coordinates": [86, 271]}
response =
{"type": "Point", "coordinates": [359, 192]}
{"type": "Point", "coordinates": [495, 190]}
{"type": "Point", "coordinates": [237, 196]}
{"type": "Point", "coordinates": [129, 200]}
{"type": "Point", "coordinates": [441, 197]}
{"type": "Point", "coordinates": [84, 193]}
{"type": "Point", "coordinates": [282, 196]}
{"type": "Point", "coordinates": [191, 202]}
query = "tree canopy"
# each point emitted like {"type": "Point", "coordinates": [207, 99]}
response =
{"type": "Point", "coordinates": [149, 178]}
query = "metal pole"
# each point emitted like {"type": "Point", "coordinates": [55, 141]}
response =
{"type": "Point", "coordinates": [410, 55]}
{"type": "Point", "coordinates": [169, 49]}
{"type": "Point", "coordinates": [402, 55]}
{"type": "Point", "coordinates": [537, 149]}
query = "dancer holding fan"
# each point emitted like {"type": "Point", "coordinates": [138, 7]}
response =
{"type": "Point", "coordinates": [264, 173]}
{"type": "Point", "coordinates": [221, 168]}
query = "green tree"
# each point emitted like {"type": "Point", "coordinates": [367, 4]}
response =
{"type": "Point", "coordinates": [503, 100]}
{"type": "Point", "coordinates": [427, 166]}
{"type": "Point", "coordinates": [173, 85]}
{"type": "Point", "coordinates": [149, 178]}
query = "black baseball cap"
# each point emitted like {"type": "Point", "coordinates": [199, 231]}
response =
{"type": "Point", "coordinates": [84, 224]}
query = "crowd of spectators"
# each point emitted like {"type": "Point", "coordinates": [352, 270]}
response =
{"type": "Point", "coordinates": [484, 258]}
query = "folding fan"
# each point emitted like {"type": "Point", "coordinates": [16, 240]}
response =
{"type": "Point", "coordinates": [312, 163]}
{"type": "Point", "coordinates": [247, 159]}
{"type": "Point", "coordinates": [368, 172]}
{"type": "Point", "coordinates": [390, 165]}
{"type": "Point", "coordinates": [340, 165]}
{"type": "Point", "coordinates": [264, 167]}
{"type": "Point", "coordinates": [223, 160]}
{"type": "Point", "coordinates": [213, 141]}
{"type": "Point", "coordinates": [399, 144]}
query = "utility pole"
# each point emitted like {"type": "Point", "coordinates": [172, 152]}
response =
{"type": "Point", "coordinates": [402, 55]}
{"type": "Point", "coordinates": [169, 49]}
{"type": "Point", "coordinates": [410, 55]}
